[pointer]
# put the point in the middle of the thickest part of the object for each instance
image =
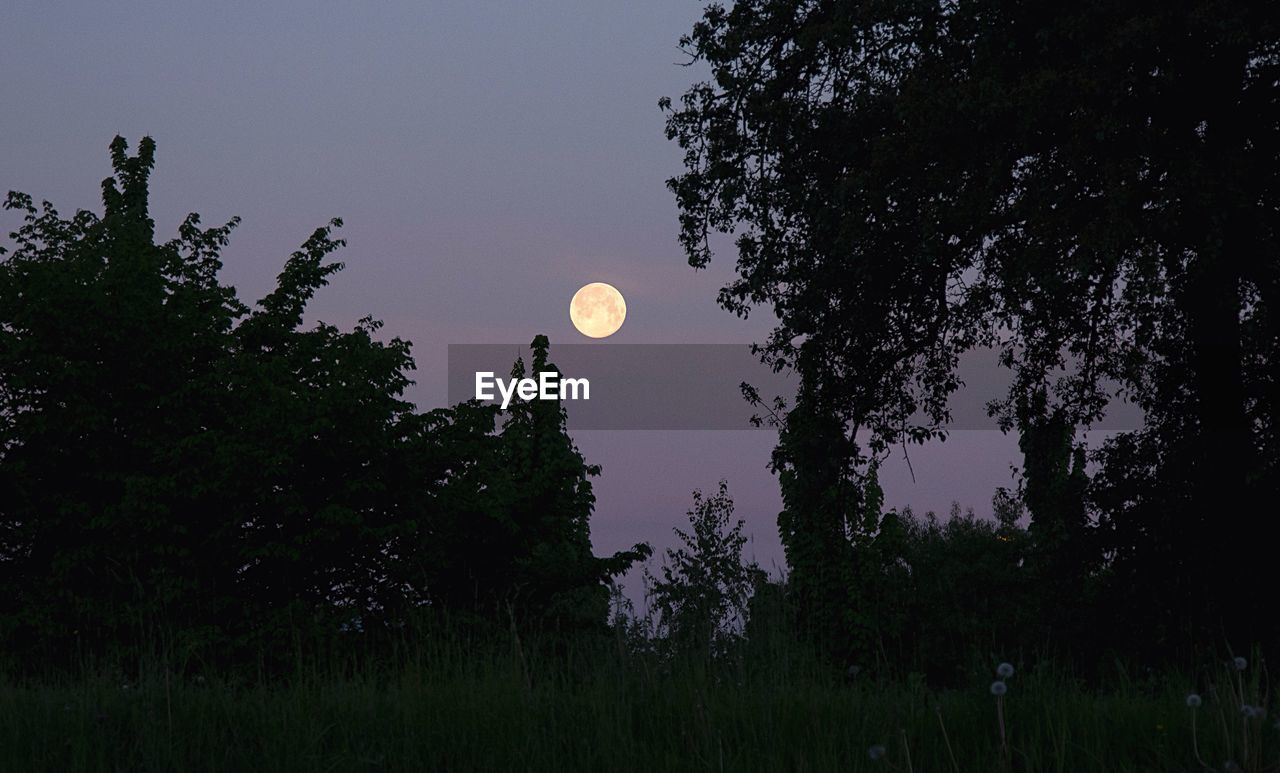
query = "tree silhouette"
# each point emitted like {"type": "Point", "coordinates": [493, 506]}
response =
{"type": "Point", "coordinates": [521, 543]}
{"type": "Point", "coordinates": [1090, 188]}
{"type": "Point", "coordinates": [701, 598]}
{"type": "Point", "coordinates": [182, 470]}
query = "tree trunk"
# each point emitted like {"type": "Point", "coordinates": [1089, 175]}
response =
{"type": "Point", "coordinates": [1221, 538]}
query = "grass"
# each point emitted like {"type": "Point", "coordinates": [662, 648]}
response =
{"type": "Point", "coordinates": [455, 707]}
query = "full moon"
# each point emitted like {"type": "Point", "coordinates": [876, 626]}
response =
{"type": "Point", "coordinates": [597, 310]}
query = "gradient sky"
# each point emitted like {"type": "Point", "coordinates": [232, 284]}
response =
{"type": "Point", "coordinates": [488, 158]}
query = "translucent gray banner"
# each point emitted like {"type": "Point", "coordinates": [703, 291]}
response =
{"type": "Point", "coordinates": [690, 386]}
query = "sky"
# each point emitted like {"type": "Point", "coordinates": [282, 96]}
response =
{"type": "Point", "coordinates": [488, 159]}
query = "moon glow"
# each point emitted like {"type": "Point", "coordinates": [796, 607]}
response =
{"type": "Point", "coordinates": [597, 310]}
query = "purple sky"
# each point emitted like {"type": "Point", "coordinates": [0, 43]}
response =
{"type": "Point", "coordinates": [488, 158]}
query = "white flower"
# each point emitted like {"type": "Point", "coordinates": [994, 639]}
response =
{"type": "Point", "coordinates": [1193, 701]}
{"type": "Point", "coordinates": [876, 752]}
{"type": "Point", "coordinates": [1240, 663]}
{"type": "Point", "coordinates": [1004, 670]}
{"type": "Point", "coordinates": [999, 688]}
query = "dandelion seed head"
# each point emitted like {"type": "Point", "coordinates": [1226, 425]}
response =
{"type": "Point", "coordinates": [1240, 663]}
{"type": "Point", "coordinates": [876, 752]}
{"type": "Point", "coordinates": [1193, 701]}
{"type": "Point", "coordinates": [1004, 670]}
{"type": "Point", "coordinates": [999, 688]}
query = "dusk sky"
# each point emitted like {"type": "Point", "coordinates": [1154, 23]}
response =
{"type": "Point", "coordinates": [488, 159]}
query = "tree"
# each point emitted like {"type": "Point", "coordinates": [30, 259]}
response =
{"type": "Point", "coordinates": [180, 469]}
{"type": "Point", "coordinates": [831, 511]}
{"type": "Point", "coordinates": [553, 572]}
{"type": "Point", "coordinates": [175, 463]}
{"type": "Point", "coordinates": [701, 599]}
{"type": "Point", "coordinates": [509, 535]}
{"type": "Point", "coordinates": [112, 357]}
{"type": "Point", "coordinates": [1090, 188]}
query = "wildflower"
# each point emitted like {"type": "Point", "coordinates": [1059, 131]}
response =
{"type": "Point", "coordinates": [1004, 670]}
{"type": "Point", "coordinates": [1193, 701]}
{"type": "Point", "coordinates": [876, 752]}
{"type": "Point", "coordinates": [999, 688]}
{"type": "Point", "coordinates": [1240, 663]}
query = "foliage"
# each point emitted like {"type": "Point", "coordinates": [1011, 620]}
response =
{"type": "Point", "coordinates": [935, 591]}
{"type": "Point", "coordinates": [1063, 182]}
{"type": "Point", "coordinates": [531, 554]}
{"type": "Point", "coordinates": [178, 466]}
{"type": "Point", "coordinates": [701, 599]}
{"type": "Point", "coordinates": [829, 510]}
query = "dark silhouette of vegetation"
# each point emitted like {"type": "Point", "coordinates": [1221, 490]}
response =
{"type": "Point", "coordinates": [700, 600]}
{"type": "Point", "coordinates": [180, 469]}
{"type": "Point", "coordinates": [192, 485]}
{"type": "Point", "coordinates": [1087, 187]}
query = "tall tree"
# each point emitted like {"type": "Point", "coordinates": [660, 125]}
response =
{"type": "Point", "coordinates": [177, 466]}
{"type": "Point", "coordinates": [112, 355]}
{"type": "Point", "coordinates": [508, 534]}
{"type": "Point", "coordinates": [554, 574]}
{"type": "Point", "coordinates": [1090, 185]}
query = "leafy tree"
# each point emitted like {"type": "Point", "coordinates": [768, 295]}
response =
{"type": "Point", "coordinates": [180, 469]}
{"type": "Point", "coordinates": [1088, 187]}
{"type": "Point", "coordinates": [553, 570]}
{"type": "Point", "coordinates": [511, 502]}
{"type": "Point", "coordinates": [702, 596]}
{"type": "Point", "coordinates": [175, 462]}
{"type": "Point", "coordinates": [1063, 552]}
{"type": "Point", "coordinates": [831, 511]}
{"type": "Point", "coordinates": [113, 357]}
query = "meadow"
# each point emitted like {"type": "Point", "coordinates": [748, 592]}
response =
{"type": "Point", "coordinates": [456, 704]}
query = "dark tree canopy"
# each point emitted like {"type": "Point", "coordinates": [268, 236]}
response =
{"type": "Point", "coordinates": [176, 465]}
{"type": "Point", "coordinates": [1092, 188]}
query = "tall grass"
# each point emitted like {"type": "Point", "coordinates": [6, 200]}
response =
{"type": "Point", "coordinates": [457, 705]}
